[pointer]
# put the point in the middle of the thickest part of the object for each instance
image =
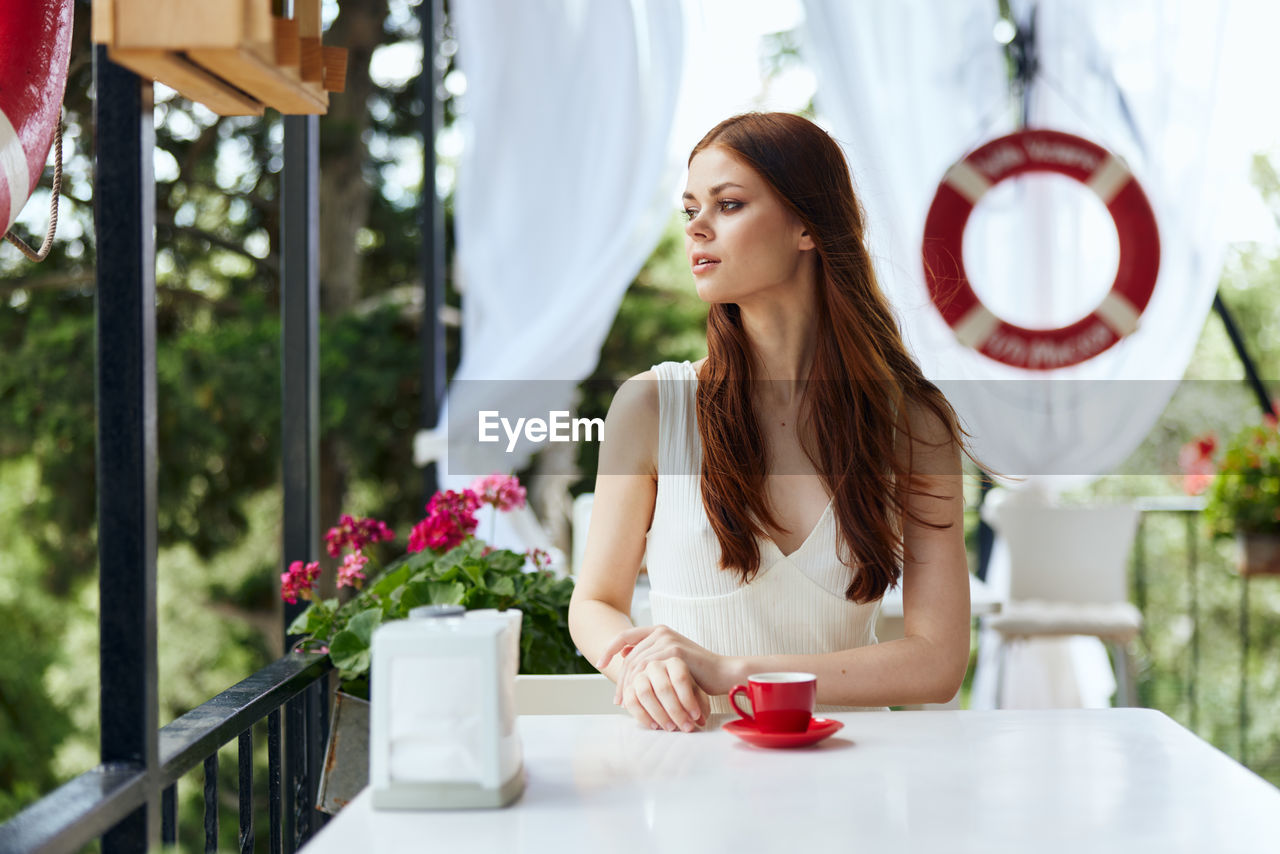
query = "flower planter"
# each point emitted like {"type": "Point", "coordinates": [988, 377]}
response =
{"type": "Point", "coordinates": [346, 756]}
{"type": "Point", "coordinates": [1258, 554]}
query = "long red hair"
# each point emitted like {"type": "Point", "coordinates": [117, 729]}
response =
{"type": "Point", "coordinates": [862, 386]}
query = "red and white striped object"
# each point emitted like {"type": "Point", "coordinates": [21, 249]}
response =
{"type": "Point", "coordinates": [35, 48]}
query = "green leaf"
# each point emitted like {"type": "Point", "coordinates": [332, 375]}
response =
{"type": "Point", "coordinates": [450, 574]}
{"type": "Point", "coordinates": [316, 621]}
{"type": "Point", "coordinates": [440, 593]}
{"type": "Point", "coordinates": [505, 561]}
{"type": "Point", "coordinates": [363, 624]}
{"type": "Point", "coordinates": [350, 654]}
{"type": "Point", "coordinates": [474, 570]}
{"type": "Point", "coordinates": [351, 649]}
{"type": "Point", "coordinates": [503, 587]}
{"type": "Point", "coordinates": [415, 594]}
{"type": "Point", "coordinates": [389, 582]}
{"type": "Point", "coordinates": [432, 593]}
{"type": "Point", "coordinates": [300, 623]}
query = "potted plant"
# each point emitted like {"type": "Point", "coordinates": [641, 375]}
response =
{"type": "Point", "coordinates": [1242, 482]}
{"type": "Point", "coordinates": [444, 564]}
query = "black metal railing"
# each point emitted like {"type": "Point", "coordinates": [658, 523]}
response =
{"type": "Point", "coordinates": [130, 799]}
{"type": "Point", "coordinates": [1189, 509]}
{"type": "Point", "coordinates": [93, 803]}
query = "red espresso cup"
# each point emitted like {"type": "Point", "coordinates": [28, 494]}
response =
{"type": "Point", "coordinates": [780, 702]}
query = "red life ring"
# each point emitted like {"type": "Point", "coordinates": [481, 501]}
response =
{"type": "Point", "coordinates": [35, 47]}
{"type": "Point", "coordinates": [1040, 151]}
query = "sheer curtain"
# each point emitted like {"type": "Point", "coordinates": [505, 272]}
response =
{"type": "Point", "coordinates": [911, 86]}
{"type": "Point", "coordinates": [565, 182]}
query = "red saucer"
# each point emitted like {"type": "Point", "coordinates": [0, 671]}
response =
{"type": "Point", "coordinates": [819, 728]}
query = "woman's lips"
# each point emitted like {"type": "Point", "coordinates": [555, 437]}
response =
{"type": "Point", "coordinates": [704, 267]}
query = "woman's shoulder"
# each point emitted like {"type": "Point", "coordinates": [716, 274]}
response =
{"type": "Point", "coordinates": [638, 394]}
{"type": "Point", "coordinates": [631, 427]}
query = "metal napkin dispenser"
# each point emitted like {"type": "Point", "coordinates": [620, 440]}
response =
{"type": "Point", "coordinates": [442, 729]}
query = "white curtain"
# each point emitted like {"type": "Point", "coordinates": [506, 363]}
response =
{"type": "Point", "coordinates": [564, 185]}
{"type": "Point", "coordinates": [911, 86]}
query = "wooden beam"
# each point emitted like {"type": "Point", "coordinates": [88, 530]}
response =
{"type": "Point", "coordinates": [177, 24]}
{"type": "Point", "coordinates": [245, 70]}
{"type": "Point", "coordinates": [190, 80]}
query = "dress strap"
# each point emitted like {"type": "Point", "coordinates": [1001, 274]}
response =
{"type": "Point", "coordinates": [677, 419]}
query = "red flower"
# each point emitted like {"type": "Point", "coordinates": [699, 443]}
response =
{"type": "Point", "coordinates": [1196, 461]}
{"type": "Point", "coordinates": [354, 534]}
{"type": "Point", "coordinates": [451, 518]}
{"type": "Point", "coordinates": [298, 581]}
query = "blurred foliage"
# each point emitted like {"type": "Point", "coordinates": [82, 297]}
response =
{"type": "Point", "coordinates": [1245, 494]}
{"type": "Point", "coordinates": [218, 398]}
{"type": "Point", "coordinates": [218, 412]}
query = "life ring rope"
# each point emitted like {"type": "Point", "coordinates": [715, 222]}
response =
{"type": "Point", "coordinates": [55, 193]}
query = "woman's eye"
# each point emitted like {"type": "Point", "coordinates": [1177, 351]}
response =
{"type": "Point", "coordinates": [724, 205]}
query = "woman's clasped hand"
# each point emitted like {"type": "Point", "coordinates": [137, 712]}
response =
{"type": "Point", "coordinates": [664, 678]}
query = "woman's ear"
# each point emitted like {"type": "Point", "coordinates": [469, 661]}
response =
{"type": "Point", "coordinates": [806, 242]}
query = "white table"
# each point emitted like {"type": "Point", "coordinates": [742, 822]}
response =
{"type": "Point", "coordinates": [1116, 780]}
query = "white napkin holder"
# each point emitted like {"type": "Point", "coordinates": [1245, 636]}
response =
{"type": "Point", "coordinates": [442, 729]}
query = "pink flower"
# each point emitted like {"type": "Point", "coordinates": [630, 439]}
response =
{"type": "Point", "coordinates": [1196, 461]}
{"type": "Point", "coordinates": [503, 491]}
{"type": "Point", "coordinates": [298, 581]}
{"type": "Point", "coordinates": [355, 534]}
{"type": "Point", "coordinates": [351, 573]}
{"type": "Point", "coordinates": [539, 557]}
{"type": "Point", "coordinates": [451, 518]}
{"type": "Point", "coordinates": [1195, 484]}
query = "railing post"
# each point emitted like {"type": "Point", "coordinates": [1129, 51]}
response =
{"type": "Point", "coordinates": [300, 442]}
{"type": "Point", "coordinates": [1193, 583]}
{"type": "Point", "coordinates": [124, 218]}
{"type": "Point", "coordinates": [431, 231]}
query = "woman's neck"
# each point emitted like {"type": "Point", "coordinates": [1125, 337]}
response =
{"type": "Point", "coordinates": [782, 338]}
{"type": "Point", "coordinates": [782, 327]}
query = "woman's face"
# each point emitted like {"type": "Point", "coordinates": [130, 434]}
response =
{"type": "Point", "coordinates": [741, 241]}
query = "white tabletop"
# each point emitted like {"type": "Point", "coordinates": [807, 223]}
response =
{"type": "Point", "coordinates": [1122, 780]}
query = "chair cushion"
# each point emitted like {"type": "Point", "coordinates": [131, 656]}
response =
{"type": "Point", "coordinates": [1111, 621]}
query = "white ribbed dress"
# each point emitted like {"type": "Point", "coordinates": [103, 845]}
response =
{"type": "Point", "coordinates": [795, 605]}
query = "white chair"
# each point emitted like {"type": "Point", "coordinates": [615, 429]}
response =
{"type": "Point", "coordinates": [1068, 575]}
{"type": "Point", "coordinates": [578, 694]}
{"type": "Point", "coordinates": [578, 529]}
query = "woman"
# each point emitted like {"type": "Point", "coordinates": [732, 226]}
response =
{"type": "Point", "coordinates": [777, 488]}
